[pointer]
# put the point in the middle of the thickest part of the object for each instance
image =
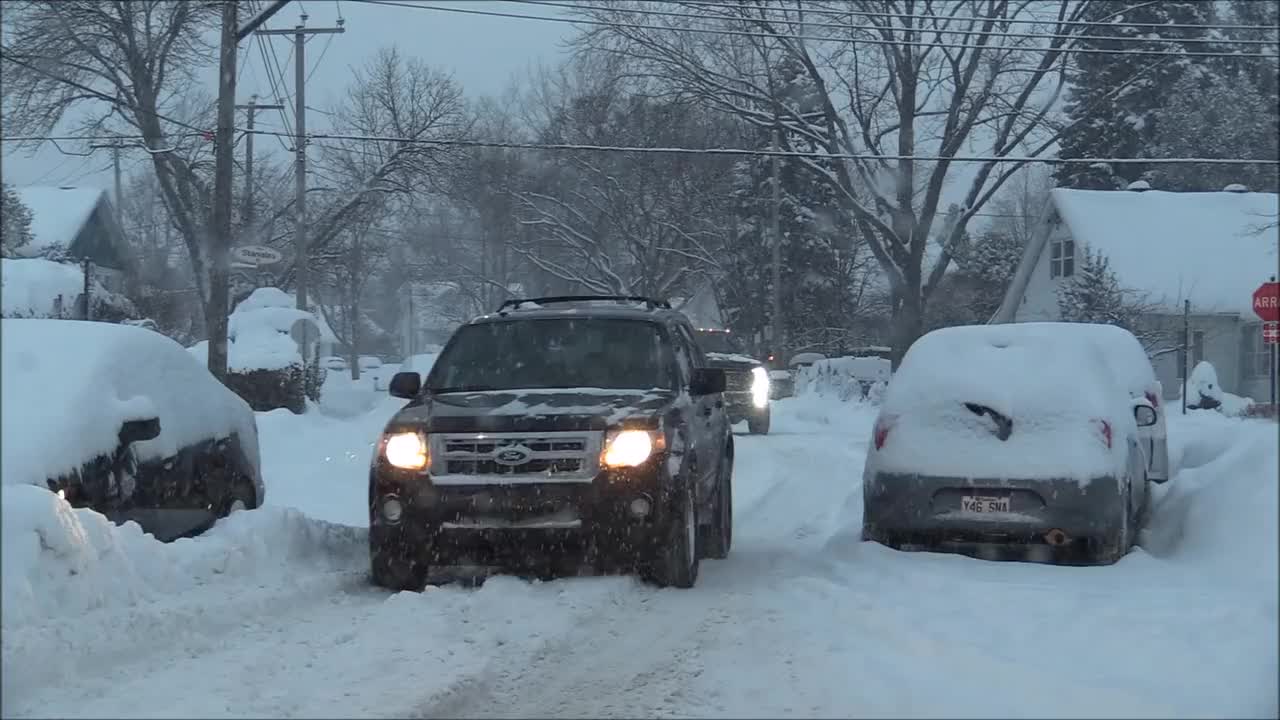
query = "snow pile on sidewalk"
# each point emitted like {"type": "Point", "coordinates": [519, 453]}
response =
{"type": "Point", "coordinates": [845, 378]}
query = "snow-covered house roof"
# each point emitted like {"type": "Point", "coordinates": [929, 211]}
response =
{"type": "Point", "coordinates": [1205, 247]}
{"type": "Point", "coordinates": [58, 219]}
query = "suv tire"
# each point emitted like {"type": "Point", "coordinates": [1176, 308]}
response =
{"type": "Point", "coordinates": [717, 536]}
{"type": "Point", "coordinates": [759, 424]}
{"type": "Point", "coordinates": [393, 569]}
{"type": "Point", "coordinates": [676, 561]}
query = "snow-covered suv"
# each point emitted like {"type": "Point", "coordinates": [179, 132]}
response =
{"type": "Point", "coordinates": [578, 426]}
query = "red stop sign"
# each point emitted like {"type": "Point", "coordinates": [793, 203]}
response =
{"type": "Point", "coordinates": [1266, 302]}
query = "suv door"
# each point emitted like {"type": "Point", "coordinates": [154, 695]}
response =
{"type": "Point", "coordinates": [708, 422]}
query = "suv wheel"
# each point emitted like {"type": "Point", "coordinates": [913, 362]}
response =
{"type": "Point", "coordinates": [395, 569]}
{"type": "Point", "coordinates": [676, 564]}
{"type": "Point", "coordinates": [240, 496]}
{"type": "Point", "coordinates": [759, 424]}
{"type": "Point", "coordinates": [717, 536]}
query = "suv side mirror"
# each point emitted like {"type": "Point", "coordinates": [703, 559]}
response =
{"type": "Point", "coordinates": [707, 381]}
{"type": "Point", "coordinates": [132, 431]}
{"type": "Point", "coordinates": [405, 385]}
{"type": "Point", "coordinates": [1145, 415]}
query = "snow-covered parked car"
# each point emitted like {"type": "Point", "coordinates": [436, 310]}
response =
{"type": "Point", "coordinates": [334, 363]}
{"type": "Point", "coordinates": [125, 421]}
{"type": "Point", "coordinates": [1129, 365]}
{"type": "Point", "coordinates": [1009, 436]}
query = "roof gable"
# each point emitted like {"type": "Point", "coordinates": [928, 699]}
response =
{"type": "Point", "coordinates": [57, 213]}
{"type": "Point", "coordinates": [1204, 247]}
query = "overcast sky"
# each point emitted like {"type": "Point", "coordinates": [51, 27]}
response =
{"type": "Point", "coordinates": [484, 54]}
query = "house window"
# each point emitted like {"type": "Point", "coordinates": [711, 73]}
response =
{"type": "Point", "coordinates": [1062, 261]}
{"type": "Point", "coordinates": [1257, 354]}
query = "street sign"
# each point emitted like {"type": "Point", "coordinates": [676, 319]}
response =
{"type": "Point", "coordinates": [1271, 333]}
{"type": "Point", "coordinates": [260, 255]}
{"type": "Point", "coordinates": [1266, 301]}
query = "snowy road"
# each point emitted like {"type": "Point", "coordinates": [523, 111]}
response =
{"type": "Point", "coordinates": [801, 620]}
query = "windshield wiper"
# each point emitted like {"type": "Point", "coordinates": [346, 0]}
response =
{"type": "Point", "coordinates": [1004, 425]}
{"type": "Point", "coordinates": [461, 388]}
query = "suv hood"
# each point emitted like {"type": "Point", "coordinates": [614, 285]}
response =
{"type": "Point", "coordinates": [732, 361]}
{"type": "Point", "coordinates": [532, 410]}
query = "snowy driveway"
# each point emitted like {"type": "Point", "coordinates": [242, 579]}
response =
{"type": "Point", "coordinates": [270, 614]}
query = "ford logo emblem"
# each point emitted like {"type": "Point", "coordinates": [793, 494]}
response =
{"type": "Point", "coordinates": [517, 455]}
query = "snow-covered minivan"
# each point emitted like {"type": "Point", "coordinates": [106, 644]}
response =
{"type": "Point", "coordinates": [1009, 436]}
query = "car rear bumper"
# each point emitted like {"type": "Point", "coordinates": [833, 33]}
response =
{"type": "Point", "coordinates": [497, 524]}
{"type": "Point", "coordinates": [902, 505]}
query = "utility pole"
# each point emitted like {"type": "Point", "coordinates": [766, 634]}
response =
{"type": "Point", "coordinates": [301, 243]}
{"type": "Point", "coordinates": [252, 108]}
{"type": "Point", "coordinates": [219, 241]}
{"type": "Point", "coordinates": [775, 327]}
{"type": "Point", "coordinates": [115, 146]}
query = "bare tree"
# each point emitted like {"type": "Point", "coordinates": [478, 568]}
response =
{"type": "Point", "coordinates": [345, 269]}
{"type": "Point", "coordinates": [123, 67]}
{"type": "Point", "coordinates": [905, 88]}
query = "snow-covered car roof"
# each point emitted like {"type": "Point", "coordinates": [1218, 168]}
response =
{"type": "Point", "coordinates": [70, 384]}
{"type": "Point", "coordinates": [1055, 391]}
{"type": "Point", "coordinates": [1120, 349]}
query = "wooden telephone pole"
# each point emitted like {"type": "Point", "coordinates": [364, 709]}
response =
{"type": "Point", "coordinates": [251, 108]}
{"type": "Point", "coordinates": [219, 241]}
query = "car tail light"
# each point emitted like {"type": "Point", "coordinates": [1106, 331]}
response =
{"type": "Point", "coordinates": [1105, 428]}
{"type": "Point", "coordinates": [1153, 399]}
{"type": "Point", "coordinates": [883, 426]}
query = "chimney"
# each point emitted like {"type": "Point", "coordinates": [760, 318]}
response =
{"type": "Point", "coordinates": [1235, 188]}
{"type": "Point", "coordinates": [1139, 186]}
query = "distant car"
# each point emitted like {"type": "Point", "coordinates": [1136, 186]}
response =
{"type": "Point", "coordinates": [125, 421]}
{"type": "Point", "coordinates": [333, 362]}
{"type": "Point", "coordinates": [1006, 435]}
{"type": "Point", "coordinates": [747, 392]}
{"type": "Point", "coordinates": [1129, 365]}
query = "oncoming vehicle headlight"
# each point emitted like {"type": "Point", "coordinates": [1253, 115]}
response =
{"type": "Point", "coordinates": [628, 448]}
{"type": "Point", "coordinates": [759, 387]}
{"type": "Point", "coordinates": [406, 450]}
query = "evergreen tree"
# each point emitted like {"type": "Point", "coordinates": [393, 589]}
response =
{"type": "Point", "coordinates": [1094, 295]}
{"type": "Point", "coordinates": [15, 223]}
{"type": "Point", "coordinates": [1114, 98]}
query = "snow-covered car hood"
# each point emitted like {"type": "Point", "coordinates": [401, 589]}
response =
{"type": "Point", "coordinates": [532, 410]}
{"type": "Point", "coordinates": [731, 361]}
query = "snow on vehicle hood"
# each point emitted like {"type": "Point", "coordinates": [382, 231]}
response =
{"type": "Point", "coordinates": [726, 360]}
{"type": "Point", "coordinates": [533, 410]}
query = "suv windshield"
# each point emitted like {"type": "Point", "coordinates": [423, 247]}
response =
{"type": "Point", "coordinates": [719, 342]}
{"type": "Point", "coordinates": [554, 353]}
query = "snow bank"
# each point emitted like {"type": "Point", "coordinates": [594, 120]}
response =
{"type": "Point", "coordinates": [31, 288]}
{"type": "Point", "coordinates": [1056, 393]}
{"type": "Point", "coordinates": [61, 562]}
{"type": "Point", "coordinates": [69, 385]}
{"type": "Point", "coordinates": [342, 397]}
{"type": "Point", "coordinates": [847, 378]}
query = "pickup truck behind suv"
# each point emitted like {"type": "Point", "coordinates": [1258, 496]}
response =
{"type": "Point", "coordinates": [746, 379]}
{"type": "Point", "coordinates": [588, 426]}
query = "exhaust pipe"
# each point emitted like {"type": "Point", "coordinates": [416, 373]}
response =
{"type": "Point", "coordinates": [1056, 538]}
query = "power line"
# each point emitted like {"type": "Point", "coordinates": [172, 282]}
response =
{"type": "Point", "coordinates": [1011, 21]}
{"type": "Point", "coordinates": [771, 153]}
{"type": "Point", "coordinates": [923, 30]}
{"type": "Point", "coordinates": [815, 38]}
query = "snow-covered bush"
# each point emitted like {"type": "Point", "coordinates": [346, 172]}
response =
{"type": "Point", "coordinates": [264, 363]}
{"type": "Point", "coordinates": [1204, 392]}
{"type": "Point", "coordinates": [40, 288]}
{"type": "Point", "coordinates": [849, 379]}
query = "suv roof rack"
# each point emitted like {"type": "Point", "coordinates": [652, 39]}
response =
{"type": "Point", "coordinates": [650, 303]}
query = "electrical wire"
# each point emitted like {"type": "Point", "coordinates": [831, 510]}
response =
{"type": "Point", "coordinates": [1012, 21]}
{"type": "Point", "coordinates": [454, 142]}
{"type": "Point", "coordinates": [815, 38]}
{"type": "Point", "coordinates": [921, 29]}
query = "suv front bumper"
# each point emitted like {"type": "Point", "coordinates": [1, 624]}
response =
{"type": "Point", "coordinates": [619, 513]}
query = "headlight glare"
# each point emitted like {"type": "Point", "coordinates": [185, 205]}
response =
{"type": "Point", "coordinates": [406, 450]}
{"type": "Point", "coordinates": [760, 387]}
{"type": "Point", "coordinates": [628, 448]}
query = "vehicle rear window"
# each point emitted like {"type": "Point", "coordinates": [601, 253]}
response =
{"type": "Point", "coordinates": [554, 353]}
{"type": "Point", "coordinates": [719, 342]}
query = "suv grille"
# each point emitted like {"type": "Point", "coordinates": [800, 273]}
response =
{"type": "Point", "coordinates": [471, 458]}
{"type": "Point", "coordinates": [737, 380]}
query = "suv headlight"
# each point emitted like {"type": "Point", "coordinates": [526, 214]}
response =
{"type": "Point", "coordinates": [406, 450]}
{"type": "Point", "coordinates": [629, 448]}
{"type": "Point", "coordinates": [759, 387]}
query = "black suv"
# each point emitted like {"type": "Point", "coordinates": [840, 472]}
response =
{"type": "Point", "coordinates": [746, 379]}
{"type": "Point", "coordinates": [557, 427]}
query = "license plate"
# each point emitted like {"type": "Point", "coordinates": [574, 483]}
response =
{"type": "Point", "coordinates": [984, 504]}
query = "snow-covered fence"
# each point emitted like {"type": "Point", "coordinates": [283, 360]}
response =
{"type": "Point", "coordinates": [849, 379]}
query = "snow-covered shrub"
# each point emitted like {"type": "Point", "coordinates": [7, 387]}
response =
{"type": "Point", "coordinates": [1204, 392]}
{"type": "Point", "coordinates": [848, 379]}
{"type": "Point", "coordinates": [40, 288]}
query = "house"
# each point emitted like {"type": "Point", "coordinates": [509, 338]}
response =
{"type": "Point", "coordinates": [77, 224]}
{"type": "Point", "coordinates": [1166, 249]}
